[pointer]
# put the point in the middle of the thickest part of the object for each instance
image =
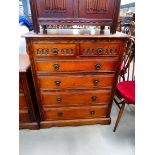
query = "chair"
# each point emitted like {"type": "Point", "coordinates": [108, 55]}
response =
{"type": "Point", "coordinates": [125, 88]}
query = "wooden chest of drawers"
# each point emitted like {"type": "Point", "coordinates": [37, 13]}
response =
{"type": "Point", "coordinates": [75, 75]}
{"type": "Point", "coordinates": [28, 114]}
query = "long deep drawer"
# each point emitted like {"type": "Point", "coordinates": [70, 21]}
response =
{"type": "Point", "coordinates": [75, 112]}
{"type": "Point", "coordinates": [76, 82]}
{"type": "Point", "coordinates": [75, 98]}
{"type": "Point", "coordinates": [106, 64]}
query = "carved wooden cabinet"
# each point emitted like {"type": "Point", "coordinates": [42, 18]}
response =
{"type": "Point", "coordinates": [75, 12]}
{"type": "Point", "coordinates": [75, 75]}
{"type": "Point", "coordinates": [28, 113]}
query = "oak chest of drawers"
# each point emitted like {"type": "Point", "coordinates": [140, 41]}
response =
{"type": "Point", "coordinates": [28, 113]}
{"type": "Point", "coordinates": [75, 75]}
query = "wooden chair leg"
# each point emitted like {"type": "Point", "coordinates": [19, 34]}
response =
{"type": "Point", "coordinates": [119, 116]}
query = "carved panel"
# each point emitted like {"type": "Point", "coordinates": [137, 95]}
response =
{"type": "Point", "coordinates": [97, 6]}
{"type": "Point", "coordinates": [55, 6]}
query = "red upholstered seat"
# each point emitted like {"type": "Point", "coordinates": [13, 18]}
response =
{"type": "Point", "coordinates": [127, 91]}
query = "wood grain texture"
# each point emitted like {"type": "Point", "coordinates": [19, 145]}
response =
{"type": "Point", "coordinates": [27, 101]}
{"type": "Point", "coordinates": [22, 101]}
{"type": "Point", "coordinates": [75, 12]}
{"type": "Point", "coordinates": [77, 65]}
{"type": "Point", "coordinates": [75, 112]}
{"type": "Point", "coordinates": [76, 98]}
{"type": "Point", "coordinates": [65, 85]}
{"type": "Point", "coordinates": [73, 82]}
{"type": "Point", "coordinates": [75, 122]}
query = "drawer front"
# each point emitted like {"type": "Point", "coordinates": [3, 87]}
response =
{"type": "Point", "coordinates": [22, 101]}
{"type": "Point", "coordinates": [105, 49]}
{"type": "Point", "coordinates": [23, 115]}
{"type": "Point", "coordinates": [77, 65]}
{"type": "Point", "coordinates": [83, 81]}
{"type": "Point", "coordinates": [45, 50]}
{"type": "Point", "coordinates": [75, 112]}
{"type": "Point", "coordinates": [75, 98]}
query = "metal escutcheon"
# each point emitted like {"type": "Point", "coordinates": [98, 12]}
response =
{"type": "Point", "coordinates": [58, 99]}
{"type": "Point", "coordinates": [98, 66]}
{"type": "Point", "coordinates": [96, 82]}
{"type": "Point", "coordinates": [94, 98]}
{"type": "Point", "coordinates": [92, 112]}
{"type": "Point", "coordinates": [57, 82]}
{"type": "Point", "coordinates": [56, 66]}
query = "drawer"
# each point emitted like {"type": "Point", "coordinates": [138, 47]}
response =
{"type": "Point", "coordinates": [22, 101]}
{"type": "Point", "coordinates": [98, 49]}
{"type": "Point", "coordinates": [23, 115]}
{"type": "Point", "coordinates": [75, 112]}
{"type": "Point", "coordinates": [46, 50]}
{"type": "Point", "coordinates": [105, 64]}
{"type": "Point", "coordinates": [76, 81]}
{"type": "Point", "coordinates": [75, 98]}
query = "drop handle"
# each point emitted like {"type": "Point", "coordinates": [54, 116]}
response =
{"type": "Point", "coordinates": [106, 52]}
{"type": "Point", "coordinates": [57, 83]}
{"type": "Point", "coordinates": [93, 98]}
{"type": "Point", "coordinates": [100, 51]}
{"type": "Point", "coordinates": [55, 51]}
{"type": "Point", "coordinates": [58, 99]}
{"type": "Point", "coordinates": [98, 66]}
{"type": "Point", "coordinates": [110, 51]}
{"type": "Point", "coordinates": [92, 112]}
{"type": "Point", "coordinates": [96, 82]}
{"type": "Point", "coordinates": [56, 67]}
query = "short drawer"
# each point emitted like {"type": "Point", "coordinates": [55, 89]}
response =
{"type": "Point", "coordinates": [79, 81]}
{"type": "Point", "coordinates": [98, 49]}
{"type": "Point", "coordinates": [22, 101]}
{"type": "Point", "coordinates": [75, 112]}
{"type": "Point", "coordinates": [105, 64]}
{"type": "Point", "coordinates": [46, 50]}
{"type": "Point", "coordinates": [75, 98]}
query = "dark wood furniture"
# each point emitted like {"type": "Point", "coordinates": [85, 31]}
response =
{"type": "Point", "coordinates": [28, 116]}
{"type": "Point", "coordinates": [75, 73]}
{"type": "Point", "coordinates": [75, 12]}
{"type": "Point", "coordinates": [125, 88]}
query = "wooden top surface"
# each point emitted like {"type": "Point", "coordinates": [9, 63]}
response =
{"type": "Point", "coordinates": [75, 33]}
{"type": "Point", "coordinates": [24, 62]}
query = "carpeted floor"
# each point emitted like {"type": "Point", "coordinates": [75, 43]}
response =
{"type": "Point", "coordinates": [83, 140]}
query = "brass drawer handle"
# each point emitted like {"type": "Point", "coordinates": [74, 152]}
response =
{"type": "Point", "coordinates": [100, 51]}
{"type": "Point", "coordinates": [56, 67]}
{"type": "Point", "coordinates": [58, 99]}
{"type": "Point", "coordinates": [106, 52]}
{"type": "Point", "coordinates": [94, 98]}
{"type": "Point", "coordinates": [57, 83]}
{"type": "Point", "coordinates": [92, 112]}
{"type": "Point", "coordinates": [98, 66]}
{"type": "Point", "coordinates": [60, 114]}
{"type": "Point", "coordinates": [110, 51]}
{"type": "Point", "coordinates": [96, 82]}
{"type": "Point", "coordinates": [55, 51]}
